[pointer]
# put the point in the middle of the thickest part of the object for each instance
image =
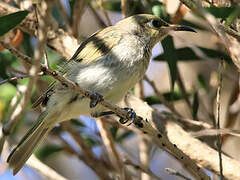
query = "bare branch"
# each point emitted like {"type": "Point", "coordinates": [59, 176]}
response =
{"type": "Point", "coordinates": [111, 149]}
{"type": "Point", "coordinates": [141, 168]}
{"type": "Point", "coordinates": [43, 169]}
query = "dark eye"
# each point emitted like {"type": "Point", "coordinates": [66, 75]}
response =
{"type": "Point", "coordinates": [156, 23]}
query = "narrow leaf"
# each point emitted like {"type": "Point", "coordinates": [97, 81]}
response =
{"type": "Point", "coordinates": [171, 57]}
{"type": "Point", "coordinates": [9, 21]}
{"type": "Point", "coordinates": [187, 54]}
{"type": "Point", "coordinates": [195, 105]}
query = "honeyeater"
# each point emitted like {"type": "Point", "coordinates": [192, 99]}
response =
{"type": "Point", "coordinates": [109, 62]}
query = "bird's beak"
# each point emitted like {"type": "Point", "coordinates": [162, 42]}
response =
{"type": "Point", "coordinates": [179, 28]}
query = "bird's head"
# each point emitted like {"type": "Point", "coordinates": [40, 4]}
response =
{"type": "Point", "coordinates": [150, 28]}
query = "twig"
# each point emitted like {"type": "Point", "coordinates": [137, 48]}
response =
{"type": "Point", "coordinates": [78, 10]}
{"type": "Point", "coordinates": [219, 138]}
{"type": "Point", "coordinates": [43, 169]}
{"type": "Point", "coordinates": [111, 149]}
{"type": "Point", "coordinates": [126, 8]}
{"type": "Point", "coordinates": [141, 168]}
{"type": "Point", "coordinates": [215, 132]}
{"type": "Point", "coordinates": [176, 173]}
{"type": "Point", "coordinates": [13, 79]}
{"type": "Point", "coordinates": [88, 156]}
{"type": "Point", "coordinates": [100, 2]}
{"type": "Point", "coordinates": [139, 123]}
{"type": "Point", "coordinates": [161, 97]}
{"type": "Point", "coordinates": [65, 16]}
{"type": "Point", "coordinates": [46, 62]}
{"type": "Point", "coordinates": [97, 17]}
{"type": "Point", "coordinates": [145, 156]}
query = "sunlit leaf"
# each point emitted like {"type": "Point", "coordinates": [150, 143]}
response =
{"type": "Point", "coordinates": [9, 21]}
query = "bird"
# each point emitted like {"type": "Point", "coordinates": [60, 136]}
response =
{"type": "Point", "coordinates": [110, 62]}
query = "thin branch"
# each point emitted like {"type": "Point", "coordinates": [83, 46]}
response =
{"type": "Point", "coordinates": [145, 156]}
{"type": "Point", "coordinates": [65, 16]}
{"type": "Point", "coordinates": [13, 79]}
{"type": "Point", "coordinates": [97, 17]}
{"type": "Point", "coordinates": [100, 2]}
{"type": "Point", "coordinates": [126, 7]}
{"type": "Point", "coordinates": [143, 125]}
{"type": "Point", "coordinates": [78, 10]}
{"type": "Point", "coordinates": [43, 169]}
{"type": "Point", "coordinates": [219, 138]}
{"type": "Point", "coordinates": [161, 97]}
{"type": "Point", "coordinates": [111, 149]}
{"type": "Point", "coordinates": [88, 156]}
{"type": "Point", "coordinates": [176, 173]}
{"type": "Point", "coordinates": [141, 168]}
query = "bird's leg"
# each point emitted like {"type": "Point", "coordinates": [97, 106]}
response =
{"type": "Point", "coordinates": [95, 98]}
{"type": "Point", "coordinates": [130, 114]}
{"type": "Point", "coordinates": [105, 113]}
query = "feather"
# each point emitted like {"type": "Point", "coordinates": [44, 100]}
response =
{"type": "Point", "coordinates": [28, 144]}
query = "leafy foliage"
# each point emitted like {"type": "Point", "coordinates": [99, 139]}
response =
{"type": "Point", "coordinates": [9, 21]}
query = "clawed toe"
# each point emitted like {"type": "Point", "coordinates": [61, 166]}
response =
{"type": "Point", "coordinates": [95, 98]}
{"type": "Point", "coordinates": [130, 114]}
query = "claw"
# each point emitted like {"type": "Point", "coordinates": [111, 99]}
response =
{"type": "Point", "coordinates": [95, 99]}
{"type": "Point", "coordinates": [131, 115]}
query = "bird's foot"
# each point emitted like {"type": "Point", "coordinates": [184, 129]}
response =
{"type": "Point", "coordinates": [95, 98]}
{"type": "Point", "coordinates": [130, 114]}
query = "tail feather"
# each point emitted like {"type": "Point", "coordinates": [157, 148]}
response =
{"type": "Point", "coordinates": [28, 144]}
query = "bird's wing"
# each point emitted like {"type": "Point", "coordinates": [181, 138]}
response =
{"type": "Point", "coordinates": [92, 49]}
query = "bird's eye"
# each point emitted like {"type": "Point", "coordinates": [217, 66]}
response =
{"type": "Point", "coordinates": [156, 23]}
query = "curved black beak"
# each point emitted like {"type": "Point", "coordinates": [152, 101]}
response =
{"type": "Point", "coordinates": [183, 28]}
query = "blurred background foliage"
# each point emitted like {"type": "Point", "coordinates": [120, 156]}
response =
{"type": "Point", "coordinates": [184, 69]}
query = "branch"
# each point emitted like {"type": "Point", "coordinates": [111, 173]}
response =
{"type": "Point", "coordinates": [111, 149]}
{"type": "Point", "coordinates": [43, 169]}
{"type": "Point", "coordinates": [194, 148]}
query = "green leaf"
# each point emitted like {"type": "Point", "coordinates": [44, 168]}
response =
{"type": "Point", "coordinates": [47, 150]}
{"type": "Point", "coordinates": [202, 82]}
{"type": "Point", "coordinates": [195, 105]}
{"type": "Point", "coordinates": [171, 57]}
{"type": "Point", "coordinates": [7, 91]}
{"type": "Point", "coordinates": [90, 141]}
{"type": "Point", "coordinates": [169, 96]}
{"type": "Point", "coordinates": [220, 12]}
{"type": "Point", "coordinates": [9, 21]}
{"type": "Point", "coordinates": [235, 14]}
{"type": "Point", "coordinates": [124, 135]}
{"type": "Point", "coordinates": [114, 131]}
{"type": "Point", "coordinates": [112, 6]}
{"type": "Point", "coordinates": [187, 54]}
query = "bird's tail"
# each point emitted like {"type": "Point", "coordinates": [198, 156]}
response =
{"type": "Point", "coordinates": [28, 144]}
